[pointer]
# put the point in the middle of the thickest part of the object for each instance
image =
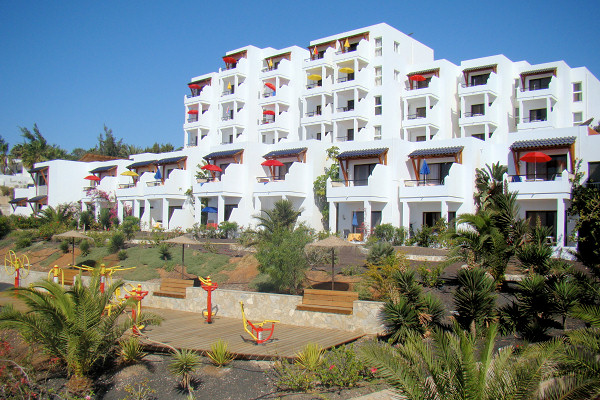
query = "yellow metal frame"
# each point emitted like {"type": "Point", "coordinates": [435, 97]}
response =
{"type": "Point", "coordinates": [55, 272]}
{"type": "Point", "coordinates": [13, 263]}
{"type": "Point", "coordinates": [258, 324]}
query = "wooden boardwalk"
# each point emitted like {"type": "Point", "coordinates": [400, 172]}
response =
{"type": "Point", "coordinates": [189, 330]}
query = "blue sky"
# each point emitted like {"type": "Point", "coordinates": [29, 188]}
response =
{"type": "Point", "coordinates": [73, 66]}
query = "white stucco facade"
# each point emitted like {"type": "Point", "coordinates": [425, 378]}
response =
{"type": "Point", "coordinates": [387, 104]}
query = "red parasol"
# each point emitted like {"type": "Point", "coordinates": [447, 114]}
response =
{"type": "Point", "coordinates": [193, 112]}
{"type": "Point", "coordinates": [417, 78]}
{"type": "Point", "coordinates": [194, 86]}
{"type": "Point", "coordinates": [92, 178]}
{"type": "Point", "coordinates": [270, 86]}
{"type": "Point", "coordinates": [268, 112]}
{"type": "Point", "coordinates": [536, 157]}
{"type": "Point", "coordinates": [211, 167]}
{"type": "Point", "coordinates": [272, 163]}
{"type": "Point", "coordinates": [229, 60]}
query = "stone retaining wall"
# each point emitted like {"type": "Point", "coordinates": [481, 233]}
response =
{"type": "Point", "coordinates": [258, 306]}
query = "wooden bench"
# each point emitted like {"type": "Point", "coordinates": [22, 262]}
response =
{"type": "Point", "coordinates": [330, 301]}
{"type": "Point", "coordinates": [170, 287]}
{"type": "Point", "coordinates": [70, 274]}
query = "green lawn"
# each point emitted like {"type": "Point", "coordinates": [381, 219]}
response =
{"type": "Point", "coordinates": [147, 261]}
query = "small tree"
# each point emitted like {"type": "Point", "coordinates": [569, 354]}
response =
{"type": "Point", "coordinates": [282, 257]}
{"type": "Point", "coordinates": [475, 299]}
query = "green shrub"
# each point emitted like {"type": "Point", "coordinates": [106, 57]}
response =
{"type": "Point", "coordinates": [84, 247]}
{"type": "Point", "coordinates": [100, 238]}
{"type": "Point", "coordinates": [431, 275]}
{"type": "Point", "coordinates": [21, 222]}
{"type": "Point", "coordinates": [351, 270]}
{"type": "Point", "coordinates": [22, 242]}
{"type": "Point", "coordinates": [5, 226]}
{"type": "Point", "coordinates": [219, 353]}
{"type": "Point", "coordinates": [385, 232]}
{"type": "Point", "coordinates": [104, 218]}
{"type": "Point", "coordinates": [117, 242]}
{"type": "Point", "coordinates": [379, 251]}
{"type": "Point", "coordinates": [130, 350]}
{"type": "Point", "coordinates": [475, 299]}
{"type": "Point", "coordinates": [184, 363]}
{"type": "Point", "coordinates": [6, 191]}
{"type": "Point", "coordinates": [64, 246]}
{"type": "Point", "coordinates": [49, 229]}
{"type": "Point", "coordinates": [164, 251]}
{"type": "Point", "coordinates": [228, 229]}
{"type": "Point", "coordinates": [423, 237]}
{"type": "Point", "coordinates": [290, 377]}
{"type": "Point", "coordinates": [130, 226]}
{"type": "Point", "coordinates": [86, 218]}
{"type": "Point", "coordinates": [122, 255]}
{"type": "Point", "coordinates": [342, 367]}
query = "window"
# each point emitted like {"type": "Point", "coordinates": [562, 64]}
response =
{"type": "Point", "coordinates": [397, 76]}
{"type": "Point", "coordinates": [540, 114]}
{"type": "Point", "coordinates": [430, 218]}
{"type": "Point", "coordinates": [577, 118]}
{"type": "Point", "coordinates": [594, 172]}
{"type": "Point", "coordinates": [477, 80]}
{"type": "Point", "coordinates": [377, 132]}
{"type": "Point", "coordinates": [350, 105]}
{"type": "Point", "coordinates": [517, 114]}
{"type": "Point", "coordinates": [396, 47]}
{"type": "Point", "coordinates": [360, 221]}
{"type": "Point", "coordinates": [375, 218]}
{"type": "Point", "coordinates": [539, 83]}
{"type": "Point", "coordinates": [477, 110]}
{"type": "Point", "coordinates": [228, 210]}
{"type": "Point", "coordinates": [282, 171]}
{"type": "Point", "coordinates": [378, 76]}
{"type": "Point", "coordinates": [577, 92]}
{"type": "Point", "coordinates": [378, 105]}
{"type": "Point", "coordinates": [362, 172]}
{"type": "Point", "coordinates": [452, 219]}
{"type": "Point", "coordinates": [378, 47]}
{"type": "Point", "coordinates": [421, 112]}
{"type": "Point", "coordinates": [437, 172]}
{"type": "Point", "coordinates": [480, 136]}
{"type": "Point", "coordinates": [549, 170]}
{"type": "Point", "coordinates": [545, 218]}
{"type": "Point", "coordinates": [420, 139]}
{"type": "Point", "coordinates": [423, 84]}
{"type": "Point", "coordinates": [350, 135]}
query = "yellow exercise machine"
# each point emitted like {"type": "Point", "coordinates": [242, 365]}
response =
{"type": "Point", "coordinates": [17, 266]}
{"type": "Point", "coordinates": [256, 330]}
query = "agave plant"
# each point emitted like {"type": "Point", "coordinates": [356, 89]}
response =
{"type": "Point", "coordinates": [184, 363]}
{"type": "Point", "coordinates": [71, 324]}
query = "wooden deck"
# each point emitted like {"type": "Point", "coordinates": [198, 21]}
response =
{"type": "Point", "coordinates": [188, 330]}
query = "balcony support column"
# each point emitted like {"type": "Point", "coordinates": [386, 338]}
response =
{"type": "Point", "coordinates": [561, 240]}
{"type": "Point", "coordinates": [405, 106]}
{"type": "Point", "coordinates": [427, 133]}
{"type": "Point", "coordinates": [220, 208]}
{"type": "Point", "coordinates": [257, 205]}
{"type": "Point", "coordinates": [120, 210]}
{"type": "Point", "coordinates": [405, 218]}
{"type": "Point", "coordinates": [165, 213]}
{"type": "Point", "coordinates": [355, 127]}
{"type": "Point", "coordinates": [368, 221]}
{"type": "Point", "coordinates": [548, 109]}
{"type": "Point", "coordinates": [147, 212]}
{"type": "Point", "coordinates": [521, 111]}
{"type": "Point", "coordinates": [444, 210]}
{"type": "Point", "coordinates": [198, 210]}
{"type": "Point", "coordinates": [486, 131]}
{"type": "Point", "coordinates": [96, 208]}
{"type": "Point", "coordinates": [332, 216]}
{"type": "Point", "coordinates": [462, 109]}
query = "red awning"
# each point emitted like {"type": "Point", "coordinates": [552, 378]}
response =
{"type": "Point", "coordinates": [230, 60]}
{"type": "Point", "coordinates": [211, 167]}
{"type": "Point", "coordinates": [270, 86]}
{"type": "Point", "coordinates": [194, 86]}
{"type": "Point", "coordinates": [268, 112]}
{"type": "Point", "coordinates": [418, 78]}
{"type": "Point", "coordinates": [193, 112]}
{"type": "Point", "coordinates": [272, 163]}
{"type": "Point", "coordinates": [92, 178]}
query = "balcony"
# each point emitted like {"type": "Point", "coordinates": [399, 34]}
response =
{"type": "Point", "coordinates": [269, 122]}
{"type": "Point", "coordinates": [296, 182]}
{"type": "Point", "coordinates": [229, 182]}
{"type": "Point", "coordinates": [488, 116]}
{"type": "Point", "coordinates": [378, 185]}
{"type": "Point", "coordinates": [420, 119]}
{"type": "Point", "coordinates": [432, 90]}
{"type": "Point", "coordinates": [362, 53]}
{"type": "Point", "coordinates": [536, 122]}
{"type": "Point", "coordinates": [205, 95]}
{"type": "Point", "coordinates": [428, 189]}
{"type": "Point", "coordinates": [358, 81]}
{"type": "Point", "coordinates": [540, 186]}
{"type": "Point", "coordinates": [240, 68]}
{"type": "Point", "coordinates": [360, 110]}
{"type": "Point", "coordinates": [283, 69]}
{"type": "Point", "coordinates": [326, 59]}
{"type": "Point", "coordinates": [282, 95]}
{"type": "Point", "coordinates": [537, 92]}
{"type": "Point", "coordinates": [491, 87]}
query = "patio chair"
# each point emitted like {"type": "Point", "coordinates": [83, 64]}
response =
{"type": "Point", "coordinates": [256, 329]}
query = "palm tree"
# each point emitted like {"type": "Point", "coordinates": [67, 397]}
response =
{"type": "Point", "coordinates": [489, 182]}
{"type": "Point", "coordinates": [453, 367]}
{"type": "Point", "coordinates": [61, 214]}
{"type": "Point", "coordinates": [281, 216]}
{"type": "Point", "coordinates": [36, 148]}
{"type": "Point", "coordinates": [71, 324]}
{"type": "Point", "coordinates": [475, 299]}
{"type": "Point", "coordinates": [3, 155]}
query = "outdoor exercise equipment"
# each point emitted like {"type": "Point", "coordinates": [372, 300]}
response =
{"type": "Point", "coordinates": [119, 297]}
{"type": "Point", "coordinates": [17, 266]}
{"type": "Point", "coordinates": [208, 285]}
{"type": "Point", "coordinates": [256, 330]}
{"type": "Point", "coordinates": [105, 273]}
{"type": "Point", "coordinates": [138, 295]}
{"type": "Point", "coordinates": [55, 272]}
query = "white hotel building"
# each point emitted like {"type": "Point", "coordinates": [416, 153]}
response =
{"type": "Point", "coordinates": [387, 104]}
